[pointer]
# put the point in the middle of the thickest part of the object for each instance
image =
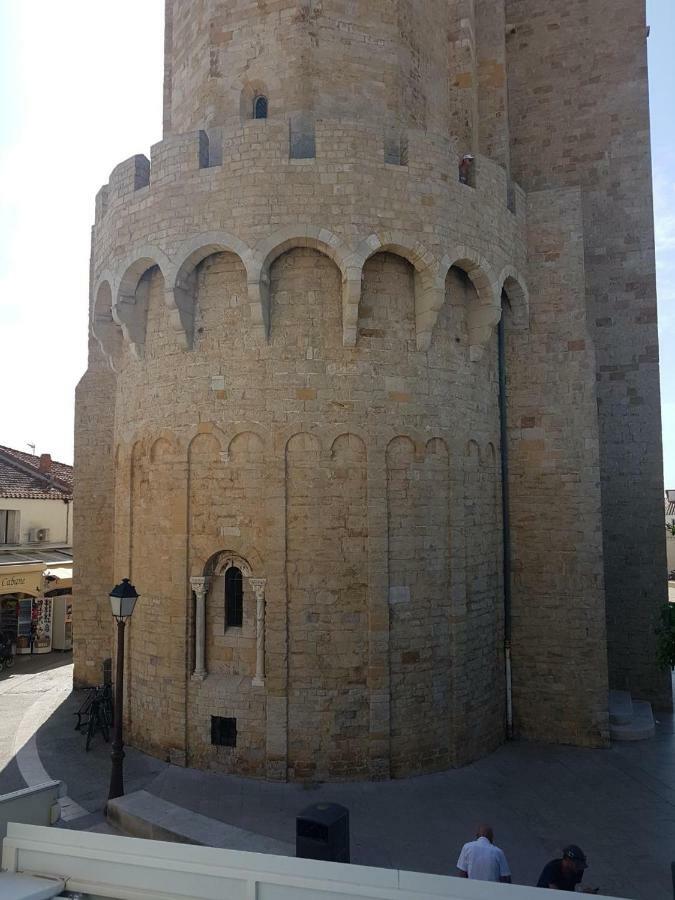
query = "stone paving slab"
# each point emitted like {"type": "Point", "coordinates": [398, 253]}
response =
{"type": "Point", "coordinates": [618, 804]}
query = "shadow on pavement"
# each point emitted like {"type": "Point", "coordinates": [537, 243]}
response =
{"type": "Point", "coordinates": [618, 804]}
{"type": "Point", "coordinates": [62, 749]}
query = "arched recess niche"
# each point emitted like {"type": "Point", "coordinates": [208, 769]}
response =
{"type": "Point", "coordinates": [426, 287]}
{"type": "Point", "coordinates": [130, 309]}
{"type": "Point", "coordinates": [182, 280]}
{"type": "Point", "coordinates": [265, 255]}
{"type": "Point", "coordinates": [104, 327]}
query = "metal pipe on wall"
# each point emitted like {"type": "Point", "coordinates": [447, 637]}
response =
{"type": "Point", "coordinates": [506, 520]}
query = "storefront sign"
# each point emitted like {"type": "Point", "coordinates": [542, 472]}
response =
{"type": "Point", "coordinates": [13, 581]}
{"type": "Point", "coordinates": [21, 582]}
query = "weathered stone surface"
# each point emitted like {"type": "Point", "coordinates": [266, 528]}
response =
{"type": "Point", "coordinates": [303, 383]}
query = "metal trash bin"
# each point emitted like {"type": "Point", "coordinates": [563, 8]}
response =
{"type": "Point", "coordinates": [322, 832]}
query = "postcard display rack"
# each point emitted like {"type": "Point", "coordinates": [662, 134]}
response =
{"type": "Point", "coordinates": [34, 631]}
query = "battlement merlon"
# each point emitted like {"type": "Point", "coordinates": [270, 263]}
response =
{"type": "Point", "coordinates": [267, 142]}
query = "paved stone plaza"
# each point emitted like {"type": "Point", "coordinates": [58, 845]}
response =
{"type": "Point", "coordinates": [618, 804]}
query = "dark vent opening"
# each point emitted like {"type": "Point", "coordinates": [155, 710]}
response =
{"type": "Point", "coordinates": [223, 731]}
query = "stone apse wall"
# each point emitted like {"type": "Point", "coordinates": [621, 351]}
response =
{"type": "Point", "coordinates": [294, 371]}
{"type": "Point", "coordinates": [349, 522]}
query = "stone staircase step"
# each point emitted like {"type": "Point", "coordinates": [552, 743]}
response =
{"type": "Point", "coordinates": [142, 814]}
{"type": "Point", "coordinates": [620, 707]}
{"type": "Point", "coordinates": [640, 728]}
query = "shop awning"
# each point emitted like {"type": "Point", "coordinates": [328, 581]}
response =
{"type": "Point", "coordinates": [61, 557]}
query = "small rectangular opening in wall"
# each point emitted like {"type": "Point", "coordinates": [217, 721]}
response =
{"type": "Point", "coordinates": [223, 731]}
{"type": "Point", "coordinates": [210, 148]}
{"type": "Point", "coordinates": [511, 198]}
{"type": "Point", "coordinates": [141, 172]}
{"type": "Point", "coordinates": [302, 138]}
{"type": "Point", "coordinates": [395, 150]}
{"type": "Point", "coordinates": [203, 150]}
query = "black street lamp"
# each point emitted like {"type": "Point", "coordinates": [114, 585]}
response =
{"type": "Point", "coordinates": [123, 598]}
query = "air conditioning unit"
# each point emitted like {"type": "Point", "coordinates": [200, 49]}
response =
{"type": "Point", "coordinates": [42, 534]}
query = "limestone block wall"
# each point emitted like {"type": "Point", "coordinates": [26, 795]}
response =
{"type": "Point", "coordinates": [378, 61]}
{"type": "Point", "coordinates": [93, 521]}
{"type": "Point", "coordinates": [332, 632]}
{"type": "Point", "coordinates": [559, 634]}
{"type": "Point", "coordinates": [597, 138]}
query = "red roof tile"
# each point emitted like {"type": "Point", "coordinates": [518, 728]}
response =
{"type": "Point", "coordinates": [17, 481]}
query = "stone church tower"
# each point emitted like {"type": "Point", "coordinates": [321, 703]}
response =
{"type": "Point", "coordinates": [360, 430]}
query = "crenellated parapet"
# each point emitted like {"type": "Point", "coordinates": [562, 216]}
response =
{"type": "Point", "coordinates": [257, 202]}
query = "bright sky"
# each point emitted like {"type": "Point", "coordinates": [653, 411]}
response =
{"type": "Point", "coordinates": [81, 90]}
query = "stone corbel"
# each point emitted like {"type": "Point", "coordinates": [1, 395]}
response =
{"type": "Point", "coordinates": [429, 300]}
{"type": "Point", "coordinates": [105, 330]}
{"type": "Point", "coordinates": [482, 321]}
{"type": "Point", "coordinates": [181, 303]}
{"type": "Point", "coordinates": [259, 302]}
{"type": "Point", "coordinates": [131, 314]}
{"type": "Point", "coordinates": [351, 298]}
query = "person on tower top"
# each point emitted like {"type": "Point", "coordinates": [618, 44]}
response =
{"type": "Point", "coordinates": [465, 166]}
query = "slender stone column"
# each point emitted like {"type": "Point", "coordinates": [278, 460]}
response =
{"type": "Point", "coordinates": [200, 586]}
{"type": "Point", "coordinates": [258, 586]}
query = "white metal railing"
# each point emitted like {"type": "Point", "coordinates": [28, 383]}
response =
{"type": "Point", "coordinates": [37, 805]}
{"type": "Point", "coordinates": [130, 869]}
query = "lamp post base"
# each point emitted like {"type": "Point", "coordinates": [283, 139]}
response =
{"type": "Point", "coordinates": [116, 774]}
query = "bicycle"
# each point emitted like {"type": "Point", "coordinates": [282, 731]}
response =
{"type": "Point", "coordinates": [97, 713]}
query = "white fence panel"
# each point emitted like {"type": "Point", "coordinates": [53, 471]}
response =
{"type": "Point", "coordinates": [130, 869]}
{"type": "Point", "coordinates": [37, 805]}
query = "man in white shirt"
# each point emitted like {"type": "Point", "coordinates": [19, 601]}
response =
{"type": "Point", "coordinates": [480, 860]}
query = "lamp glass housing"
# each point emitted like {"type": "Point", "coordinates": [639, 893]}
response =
{"type": "Point", "coordinates": [123, 599]}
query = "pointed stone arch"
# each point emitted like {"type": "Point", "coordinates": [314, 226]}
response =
{"type": "Point", "coordinates": [181, 293]}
